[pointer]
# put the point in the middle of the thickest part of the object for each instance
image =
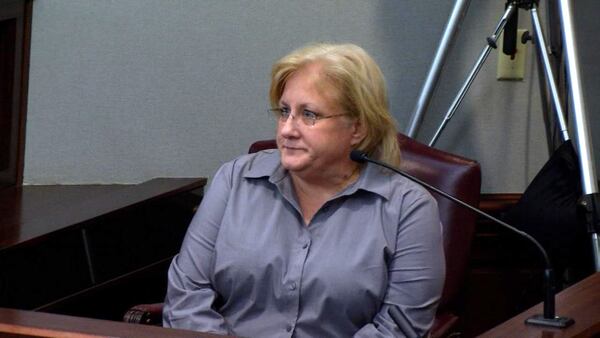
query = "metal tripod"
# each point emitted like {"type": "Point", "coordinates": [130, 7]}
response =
{"type": "Point", "coordinates": [590, 200]}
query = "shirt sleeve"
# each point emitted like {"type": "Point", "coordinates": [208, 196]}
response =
{"type": "Point", "coordinates": [415, 272]}
{"type": "Point", "coordinates": [189, 303]}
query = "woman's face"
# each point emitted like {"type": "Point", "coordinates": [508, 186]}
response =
{"type": "Point", "coordinates": [323, 148]}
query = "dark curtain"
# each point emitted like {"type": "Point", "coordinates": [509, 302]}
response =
{"type": "Point", "coordinates": [548, 211]}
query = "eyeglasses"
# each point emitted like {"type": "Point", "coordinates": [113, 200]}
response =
{"type": "Point", "coordinates": [308, 117]}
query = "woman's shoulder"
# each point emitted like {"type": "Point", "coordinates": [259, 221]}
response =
{"type": "Point", "coordinates": [394, 187]}
{"type": "Point", "coordinates": [259, 164]}
{"type": "Point", "coordinates": [413, 189]}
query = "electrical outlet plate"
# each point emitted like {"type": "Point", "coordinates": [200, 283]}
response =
{"type": "Point", "coordinates": [511, 69]}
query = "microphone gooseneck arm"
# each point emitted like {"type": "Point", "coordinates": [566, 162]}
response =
{"type": "Point", "coordinates": [549, 318]}
{"type": "Point", "coordinates": [361, 157]}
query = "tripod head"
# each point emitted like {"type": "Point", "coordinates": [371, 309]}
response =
{"type": "Point", "coordinates": [524, 4]}
{"type": "Point", "coordinates": [509, 44]}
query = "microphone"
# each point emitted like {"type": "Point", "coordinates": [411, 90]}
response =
{"type": "Point", "coordinates": [548, 318]}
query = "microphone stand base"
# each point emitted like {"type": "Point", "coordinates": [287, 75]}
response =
{"type": "Point", "coordinates": [540, 320]}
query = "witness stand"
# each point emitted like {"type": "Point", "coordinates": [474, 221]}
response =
{"type": "Point", "coordinates": [20, 323]}
{"type": "Point", "coordinates": [580, 301]}
{"type": "Point", "coordinates": [91, 250]}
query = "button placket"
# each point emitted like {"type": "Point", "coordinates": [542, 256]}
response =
{"type": "Point", "coordinates": [292, 279]}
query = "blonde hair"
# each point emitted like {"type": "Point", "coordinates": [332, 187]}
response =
{"type": "Point", "coordinates": [361, 91]}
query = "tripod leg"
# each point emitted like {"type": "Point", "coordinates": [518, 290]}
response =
{"type": "Point", "coordinates": [460, 8]}
{"type": "Point", "coordinates": [588, 175]}
{"type": "Point", "coordinates": [471, 77]}
{"type": "Point", "coordinates": [540, 44]}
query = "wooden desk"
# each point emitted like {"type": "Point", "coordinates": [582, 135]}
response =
{"type": "Point", "coordinates": [33, 212]}
{"type": "Point", "coordinates": [64, 248]}
{"type": "Point", "coordinates": [580, 302]}
{"type": "Point", "coordinates": [20, 324]}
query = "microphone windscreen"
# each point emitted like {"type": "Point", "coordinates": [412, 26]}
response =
{"type": "Point", "coordinates": [358, 156]}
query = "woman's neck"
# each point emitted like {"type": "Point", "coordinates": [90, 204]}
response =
{"type": "Point", "coordinates": [326, 183]}
{"type": "Point", "coordinates": [313, 192]}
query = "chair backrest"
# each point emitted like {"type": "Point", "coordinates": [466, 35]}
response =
{"type": "Point", "coordinates": [456, 175]}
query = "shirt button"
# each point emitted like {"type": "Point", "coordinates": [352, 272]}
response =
{"type": "Point", "coordinates": [288, 328]}
{"type": "Point", "coordinates": [305, 246]}
{"type": "Point", "coordinates": [293, 286]}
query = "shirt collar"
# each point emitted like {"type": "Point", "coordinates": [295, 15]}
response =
{"type": "Point", "coordinates": [266, 164]}
{"type": "Point", "coordinates": [372, 179]}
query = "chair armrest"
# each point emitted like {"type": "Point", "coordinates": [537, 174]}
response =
{"type": "Point", "coordinates": [148, 314]}
{"type": "Point", "coordinates": [444, 325]}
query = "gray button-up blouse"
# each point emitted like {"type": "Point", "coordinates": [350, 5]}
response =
{"type": "Point", "coordinates": [249, 265]}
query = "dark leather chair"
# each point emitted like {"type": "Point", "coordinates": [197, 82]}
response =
{"type": "Point", "coordinates": [458, 176]}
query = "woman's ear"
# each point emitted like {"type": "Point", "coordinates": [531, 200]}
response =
{"type": "Point", "coordinates": [359, 132]}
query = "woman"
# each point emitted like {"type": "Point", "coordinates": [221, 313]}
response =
{"type": "Point", "coordinates": [301, 240]}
